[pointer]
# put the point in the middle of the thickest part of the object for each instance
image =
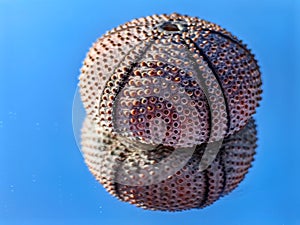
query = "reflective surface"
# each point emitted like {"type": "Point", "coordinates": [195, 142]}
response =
{"type": "Point", "coordinates": [161, 177]}
{"type": "Point", "coordinates": [43, 177]}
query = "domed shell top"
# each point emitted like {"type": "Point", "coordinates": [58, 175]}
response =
{"type": "Point", "coordinates": [172, 67]}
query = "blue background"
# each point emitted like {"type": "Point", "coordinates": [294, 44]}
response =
{"type": "Point", "coordinates": [43, 179]}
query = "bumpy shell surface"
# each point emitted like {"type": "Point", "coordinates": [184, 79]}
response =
{"type": "Point", "coordinates": [159, 91]}
{"type": "Point", "coordinates": [171, 71]}
{"type": "Point", "coordinates": [111, 159]}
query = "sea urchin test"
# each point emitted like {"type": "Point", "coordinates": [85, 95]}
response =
{"type": "Point", "coordinates": [164, 94]}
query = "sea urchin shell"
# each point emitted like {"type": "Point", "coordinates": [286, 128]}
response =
{"type": "Point", "coordinates": [161, 93]}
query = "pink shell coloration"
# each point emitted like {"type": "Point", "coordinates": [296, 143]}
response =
{"type": "Point", "coordinates": [122, 61]}
{"type": "Point", "coordinates": [169, 82]}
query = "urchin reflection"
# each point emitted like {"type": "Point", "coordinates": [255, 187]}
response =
{"type": "Point", "coordinates": [111, 160]}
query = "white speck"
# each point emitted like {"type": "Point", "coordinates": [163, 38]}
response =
{"type": "Point", "coordinates": [33, 178]}
{"type": "Point", "coordinates": [37, 125]}
{"type": "Point", "coordinates": [12, 188]}
{"type": "Point", "coordinates": [1, 124]}
{"type": "Point", "coordinates": [12, 115]}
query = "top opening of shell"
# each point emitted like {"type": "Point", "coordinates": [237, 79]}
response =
{"type": "Point", "coordinates": [168, 26]}
{"type": "Point", "coordinates": [172, 27]}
